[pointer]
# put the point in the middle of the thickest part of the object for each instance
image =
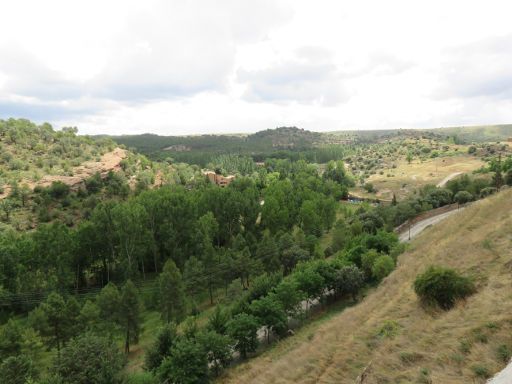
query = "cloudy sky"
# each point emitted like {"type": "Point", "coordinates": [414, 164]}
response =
{"type": "Point", "coordinates": [202, 66]}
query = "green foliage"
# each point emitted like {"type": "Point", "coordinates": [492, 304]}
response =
{"type": "Point", "coordinates": [218, 320]}
{"type": "Point", "coordinates": [172, 293]}
{"type": "Point", "coordinates": [270, 313]}
{"type": "Point", "coordinates": [161, 348]}
{"type": "Point", "coordinates": [243, 329]}
{"type": "Point", "coordinates": [348, 281]}
{"type": "Point", "coordinates": [90, 359]}
{"type": "Point", "coordinates": [382, 267]}
{"type": "Point", "coordinates": [442, 286]}
{"type": "Point", "coordinates": [188, 364]}
{"type": "Point", "coordinates": [504, 353]}
{"type": "Point", "coordinates": [462, 197]}
{"type": "Point", "coordinates": [218, 349]}
{"type": "Point", "coordinates": [481, 371]}
{"type": "Point", "coordinates": [17, 370]}
{"type": "Point", "coordinates": [129, 314]}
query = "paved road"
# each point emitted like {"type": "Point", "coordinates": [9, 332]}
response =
{"type": "Point", "coordinates": [443, 182]}
{"type": "Point", "coordinates": [504, 377]}
{"type": "Point", "coordinates": [417, 228]}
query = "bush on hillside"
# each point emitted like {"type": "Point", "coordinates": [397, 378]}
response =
{"type": "Point", "coordinates": [463, 197]}
{"type": "Point", "coordinates": [442, 286]}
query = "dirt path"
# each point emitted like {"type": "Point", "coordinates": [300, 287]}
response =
{"type": "Point", "coordinates": [417, 228]}
{"type": "Point", "coordinates": [443, 182]}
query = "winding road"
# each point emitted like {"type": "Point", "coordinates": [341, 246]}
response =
{"type": "Point", "coordinates": [443, 182]}
{"type": "Point", "coordinates": [417, 228]}
{"type": "Point", "coordinates": [503, 377]}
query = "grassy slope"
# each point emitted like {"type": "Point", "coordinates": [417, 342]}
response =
{"type": "Point", "coordinates": [476, 241]}
{"type": "Point", "coordinates": [408, 177]}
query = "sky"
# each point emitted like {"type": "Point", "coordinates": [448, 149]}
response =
{"type": "Point", "coordinates": [179, 67]}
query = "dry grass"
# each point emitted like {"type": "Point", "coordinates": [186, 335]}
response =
{"type": "Point", "coordinates": [407, 177]}
{"type": "Point", "coordinates": [478, 242]}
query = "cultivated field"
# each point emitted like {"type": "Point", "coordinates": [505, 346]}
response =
{"type": "Point", "coordinates": [391, 332]}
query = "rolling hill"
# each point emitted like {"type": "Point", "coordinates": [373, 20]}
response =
{"type": "Point", "coordinates": [391, 337]}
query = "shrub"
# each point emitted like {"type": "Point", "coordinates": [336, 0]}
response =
{"type": "Point", "coordinates": [382, 267]}
{"type": "Point", "coordinates": [481, 371]}
{"type": "Point", "coordinates": [442, 286]}
{"type": "Point", "coordinates": [504, 353]}
{"type": "Point", "coordinates": [58, 190]}
{"type": "Point", "coordinates": [487, 191]}
{"type": "Point", "coordinates": [463, 197]}
{"type": "Point", "coordinates": [389, 329]}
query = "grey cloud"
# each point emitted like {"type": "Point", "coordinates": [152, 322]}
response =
{"type": "Point", "coordinates": [26, 76]}
{"type": "Point", "coordinates": [478, 69]}
{"type": "Point", "coordinates": [310, 78]}
{"type": "Point", "coordinates": [170, 50]}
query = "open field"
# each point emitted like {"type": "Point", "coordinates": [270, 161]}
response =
{"type": "Point", "coordinates": [457, 346]}
{"type": "Point", "coordinates": [409, 177]}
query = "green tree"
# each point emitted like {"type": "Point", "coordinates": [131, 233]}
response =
{"type": "Point", "coordinates": [172, 293]}
{"type": "Point", "coordinates": [89, 318]}
{"type": "Point", "coordinates": [310, 282]}
{"type": "Point", "coordinates": [462, 197]}
{"type": "Point", "coordinates": [17, 370]}
{"type": "Point", "coordinates": [54, 320]}
{"type": "Point", "coordinates": [91, 359]}
{"type": "Point", "coordinates": [7, 206]}
{"type": "Point", "coordinates": [270, 314]}
{"type": "Point", "coordinates": [367, 261]}
{"type": "Point", "coordinates": [243, 328]}
{"type": "Point", "coordinates": [129, 314]}
{"type": "Point", "coordinates": [268, 253]}
{"type": "Point", "coordinates": [161, 348]}
{"type": "Point", "coordinates": [382, 267]}
{"type": "Point", "coordinates": [218, 320]}
{"type": "Point", "coordinates": [109, 301]}
{"type": "Point", "coordinates": [194, 275]}
{"type": "Point", "coordinates": [287, 292]}
{"type": "Point", "coordinates": [188, 364]}
{"type": "Point", "coordinates": [217, 348]}
{"type": "Point", "coordinates": [290, 257]}
{"type": "Point", "coordinates": [349, 280]}
{"type": "Point", "coordinates": [10, 339]}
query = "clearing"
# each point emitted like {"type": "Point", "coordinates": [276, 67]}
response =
{"type": "Point", "coordinates": [406, 178]}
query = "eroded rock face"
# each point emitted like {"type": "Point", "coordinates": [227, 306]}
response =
{"type": "Point", "coordinates": [110, 161]}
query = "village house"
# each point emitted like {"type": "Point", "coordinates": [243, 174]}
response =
{"type": "Point", "coordinates": [221, 181]}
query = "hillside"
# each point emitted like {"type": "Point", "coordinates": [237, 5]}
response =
{"type": "Point", "coordinates": [200, 149]}
{"type": "Point", "coordinates": [390, 330]}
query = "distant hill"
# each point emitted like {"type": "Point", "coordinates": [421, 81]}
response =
{"type": "Point", "coordinates": [200, 149]}
{"type": "Point", "coordinates": [482, 133]}
{"type": "Point", "coordinates": [463, 135]}
{"type": "Point", "coordinates": [393, 335]}
{"type": "Point", "coordinates": [29, 153]}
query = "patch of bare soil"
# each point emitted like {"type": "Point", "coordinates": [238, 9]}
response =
{"type": "Point", "coordinates": [110, 161]}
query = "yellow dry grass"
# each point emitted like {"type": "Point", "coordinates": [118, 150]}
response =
{"type": "Point", "coordinates": [477, 242]}
{"type": "Point", "coordinates": [407, 177]}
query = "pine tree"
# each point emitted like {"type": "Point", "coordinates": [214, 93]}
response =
{"type": "Point", "coordinates": [129, 314]}
{"type": "Point", "coordinates": [172, 293]}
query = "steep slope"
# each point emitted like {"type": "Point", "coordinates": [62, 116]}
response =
{"type": "Point", "coordinates": [389, 329]}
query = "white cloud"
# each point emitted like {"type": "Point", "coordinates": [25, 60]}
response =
{"type": "Point", "coordinates": [189, 66]}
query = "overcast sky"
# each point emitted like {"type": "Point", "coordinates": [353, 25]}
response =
{"type": "Point", "coordinates": [202, 66]}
